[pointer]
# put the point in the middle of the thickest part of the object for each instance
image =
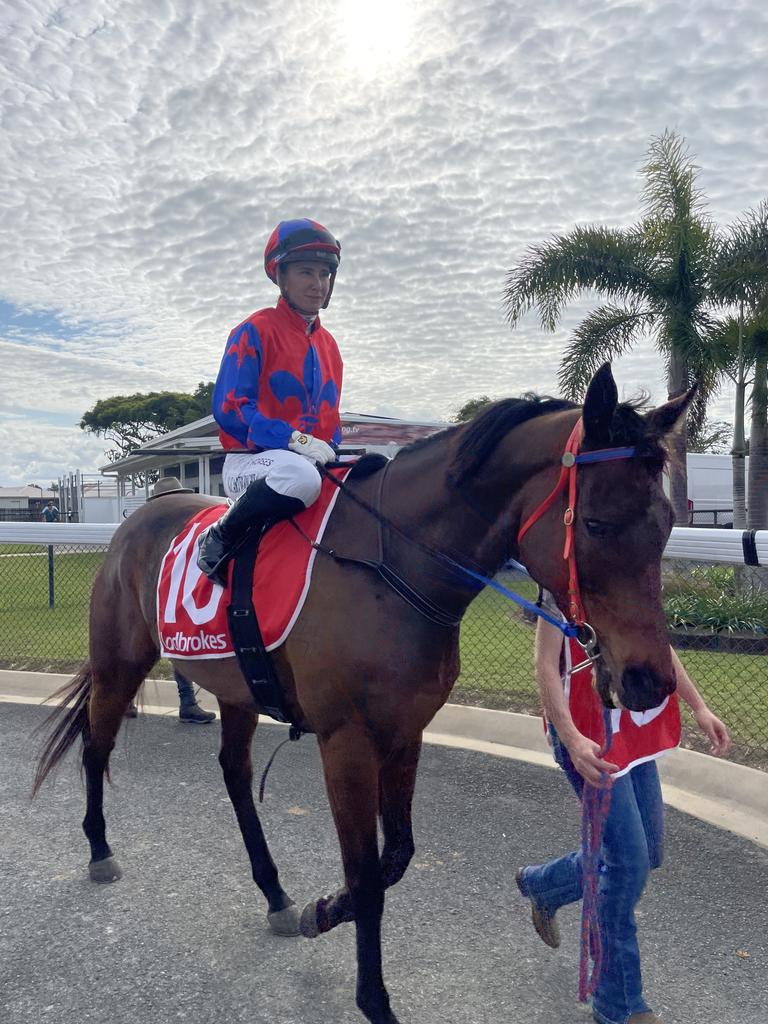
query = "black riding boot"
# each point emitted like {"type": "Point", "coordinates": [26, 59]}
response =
{"type": "Point", "coordinates": [256, 508]}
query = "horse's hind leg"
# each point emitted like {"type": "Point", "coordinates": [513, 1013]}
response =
{"type": "Point", "coordinates": [237, 729]}
{"type": "Point", "coordinates": [112, 691]}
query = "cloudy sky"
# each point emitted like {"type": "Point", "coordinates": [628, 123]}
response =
{"type": "Point", "coordinates": [148, 147]}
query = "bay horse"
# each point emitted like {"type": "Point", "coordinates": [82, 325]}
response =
{"type": "Point", "coordinates": [365, 670]}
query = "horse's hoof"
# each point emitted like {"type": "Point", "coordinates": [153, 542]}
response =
{"type": "Point", "coordinates": [286, 921]}
{"type": "Point", "coordinates": [308, 923]}
{"type": "Point", "coordinates": [107, 870]}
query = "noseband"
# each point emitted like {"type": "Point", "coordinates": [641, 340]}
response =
{"type": "Point", "coordinates": [571, 459]}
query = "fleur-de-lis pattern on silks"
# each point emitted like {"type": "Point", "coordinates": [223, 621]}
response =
{"type": "Point", "coordinates": [311, 391]}
{"type": "Point", "coordinates": [232, 404]}
{"type": "Point", "coordinates": [244, 345]}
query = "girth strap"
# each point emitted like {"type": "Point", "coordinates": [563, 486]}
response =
{"type": "Point", "coordinates": [252, 657]}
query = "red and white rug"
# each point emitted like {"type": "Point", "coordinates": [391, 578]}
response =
{"type": "Point", "coordinates": [192, 611]}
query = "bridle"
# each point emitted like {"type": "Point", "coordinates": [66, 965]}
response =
{"type": "Point", "coordinates": [576, 626]}
{"type": "Point", "coordinates": [570, 460]}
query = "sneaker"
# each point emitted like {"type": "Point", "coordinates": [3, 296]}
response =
{"type": "Point", "coordinates": [544, 922]}
{"type": "Point", "coordinates": [194, 714]}
{"type": "Point", "coordinates": [131, 711]}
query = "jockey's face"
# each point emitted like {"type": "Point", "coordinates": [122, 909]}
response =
{"type": "Point", "coordinates": [306, 284]}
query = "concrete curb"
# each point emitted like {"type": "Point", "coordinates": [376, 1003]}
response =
{"type": "Point", "coordinates": [722, 793]}
{"type": "Point", "coordinates": [730, 796]}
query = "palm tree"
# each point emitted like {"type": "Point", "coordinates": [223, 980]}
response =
{"type": "Point", "coordinates": [740, 275]}
{"type": "Point", "coordinates": [757, 497]}
{"type": "Point", "coordinates": [654, 277]}
{"type": "Point", "coordinates": [734, 345]}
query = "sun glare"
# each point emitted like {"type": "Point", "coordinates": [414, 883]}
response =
{"type": "Point", "coordinates": [376, 33]}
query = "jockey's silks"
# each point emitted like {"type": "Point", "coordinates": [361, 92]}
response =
{"type": "Point", "coordinates": [637, 735]}
{"type": "Point", "coordinates": [278, 374]}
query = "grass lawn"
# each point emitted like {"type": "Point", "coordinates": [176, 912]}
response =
{"type": "Point", "coordinates": [33, 635]}
{"type": "Point", "coordinates": [496, 646]}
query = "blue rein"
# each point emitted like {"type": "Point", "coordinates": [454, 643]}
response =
{"type": "Point", "coordinates": [569, 629]}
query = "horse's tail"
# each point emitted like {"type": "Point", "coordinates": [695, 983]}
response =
{"type": "Point", "coordinates": [65, 723]}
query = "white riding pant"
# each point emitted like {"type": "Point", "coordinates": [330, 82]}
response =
{"type": "Point", "coordinates": [285, 472]}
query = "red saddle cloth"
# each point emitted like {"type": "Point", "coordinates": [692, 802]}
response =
{"type": "Point", "coordinates": [192, 611]}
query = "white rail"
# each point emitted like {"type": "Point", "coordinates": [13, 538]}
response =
{"type": "Point", "coordinates": [80, 534]}
{"type": "Point", "coordinates": [732, 547]}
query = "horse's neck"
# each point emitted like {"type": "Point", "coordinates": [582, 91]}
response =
{"type": "Point", "coordinates": [477, 522]}
{"type": "Point", "coordinates": [471, 523]}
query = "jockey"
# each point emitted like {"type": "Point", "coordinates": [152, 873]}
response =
{"type": "Point", "coordinates": [277, 394]}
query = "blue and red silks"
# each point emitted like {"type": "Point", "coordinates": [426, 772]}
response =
{"type": "Point", "coordinates": [278, 375]}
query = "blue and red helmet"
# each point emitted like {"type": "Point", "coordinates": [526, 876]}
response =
{"type": "Point", "coordinates": [296, 240]}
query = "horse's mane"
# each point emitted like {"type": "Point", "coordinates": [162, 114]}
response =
{"type": "Point", "coordinates": [486, 430]}
{"type": "Point", "coordinates": [480, 437]}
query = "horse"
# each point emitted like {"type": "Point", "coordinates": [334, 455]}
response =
{"type": "Point", "coordinates": [365, 667]}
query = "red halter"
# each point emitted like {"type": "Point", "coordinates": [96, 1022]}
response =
{"type": "Point", "coordinates": [570, 460]}
{"type": "Point", "coordinates": [567, 477]}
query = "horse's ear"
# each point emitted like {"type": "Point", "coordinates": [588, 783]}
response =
{"type": "Point", "coordinates": [663, 419]}
{"type": "Point", "coordinates": [600, 405]}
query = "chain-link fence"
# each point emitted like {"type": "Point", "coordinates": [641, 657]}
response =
{"type": "Point", "coordinates": [709, 517]}
{"type": "Point", "coordinates": [717, 616]}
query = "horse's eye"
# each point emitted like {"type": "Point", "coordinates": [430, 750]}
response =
{"type": "Point", "coordinates": [596, 528]}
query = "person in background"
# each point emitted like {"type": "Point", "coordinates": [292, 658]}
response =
{"type": "Point", "coordinates": [276, 397]}
{"type": "Point", "coordinates": [50, 513]}
{"type": "Point", "coordinates": [190, 711]}
{"type": "Point", "coordinates": [632, 842]}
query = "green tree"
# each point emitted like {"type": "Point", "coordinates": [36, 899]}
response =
{"type": "Point", "coordinates": [713, 436]}
{"type": "Point", "coordinates": [127, 421]}
{"type": "Point", "coordinates": [734, 345]}
{"type": "Point", "coordinates": [740, 277]}
{"type": "Point", "coordinates": [654, 278]}
{"type": "Point", "coordinates": [470, 409]}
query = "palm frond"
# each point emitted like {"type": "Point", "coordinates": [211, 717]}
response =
{"type": "Point", "coordinates": [601, 337]}
{"type": "Point", "coordinates": [740, 268]}
{"type": "Point", "coordinates": [670, 193]}
{"type": "Point", "coordinates": [611, 262]}
{"type": "Point", "coordinates": [722, 342]}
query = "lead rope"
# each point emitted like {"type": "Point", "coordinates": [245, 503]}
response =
{"type": "Point", "coordinates": [294, 733]}
{"type": "Point", "coordinates": [595, 804]}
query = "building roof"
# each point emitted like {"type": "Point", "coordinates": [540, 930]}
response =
{"type": "Point", "coordinates": [26, 491]}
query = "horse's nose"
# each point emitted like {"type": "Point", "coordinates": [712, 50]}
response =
{"type": "Point", "coordinates": [642, 687]}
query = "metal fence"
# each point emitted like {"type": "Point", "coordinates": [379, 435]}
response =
{"type": "Point", "coordinates": [717, 614]}
{"type": "Point", "coordinates": [721, 517]}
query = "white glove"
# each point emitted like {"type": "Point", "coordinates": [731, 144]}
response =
{"type": "Point", "coordinates": [311, 448]}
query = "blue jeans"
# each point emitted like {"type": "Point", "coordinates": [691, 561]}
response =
{"type": "Point", "coordinates": [186, 691]}
{"type": "Point", "coordinates": [632, 845]}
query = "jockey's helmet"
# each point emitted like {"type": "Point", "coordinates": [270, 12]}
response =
{"type": "Point", "coordinates": [295, 240]}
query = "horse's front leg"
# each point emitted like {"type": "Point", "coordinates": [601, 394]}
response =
{"type": "Point", "coordinates": [351, 768]}
{"type": "Point", "coordinates": [237, 729]}
{"type": "Point", "coordinates": [397, 779]}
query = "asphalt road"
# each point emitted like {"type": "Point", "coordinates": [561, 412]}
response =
{"type": "Point", "coordinates": [183, 936]}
